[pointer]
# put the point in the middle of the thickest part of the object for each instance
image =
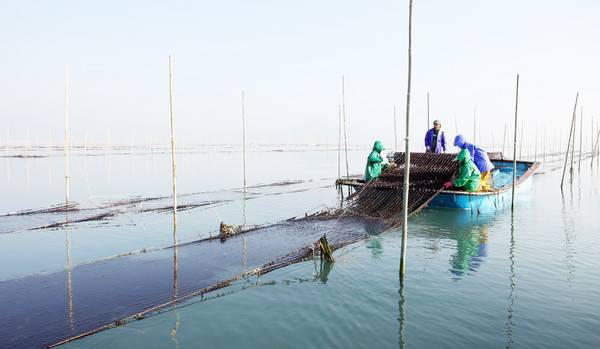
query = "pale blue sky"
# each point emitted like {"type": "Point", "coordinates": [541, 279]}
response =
{"type": "Point", "coordinates": [289, 58]}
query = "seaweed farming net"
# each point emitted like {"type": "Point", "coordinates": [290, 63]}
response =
{"type": "Point", "coordinates": [51, 309]}
{"type": "Point", "coordinates": [383, 198]}
{"type": "Point", "coordinates": [84, 299]}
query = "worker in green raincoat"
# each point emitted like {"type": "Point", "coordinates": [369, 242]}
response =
{"type": "Point", "coordinates": [374, 162]}
{"type": "Point", "coordinates": [468, 175]}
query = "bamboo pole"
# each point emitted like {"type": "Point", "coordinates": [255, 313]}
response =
{"type": "Point", "coordinates": [345, 137]}
{"type": "Point", "coordinates": [474, 123]}
{"type": "Point", "coordinates": [339, 141]}
{"type": "Point", "coordinates": [173, 149]}
{"type": "Point", "coordinates": [427, 128]}
{"type": "Point", "coordinates": [504, 141]}
{"type": "Point", "coordinates": [592, 129]}
{"type": "Point", "coordinates": [244, 132]}
{"type": "Point", "coordinates": [580, 138]}
{"type": "Point", "coordinates": [407, 153]}
{"type": "Point", "coordinates": [521, 143]}
{"type": "Point", "coordinates": [514, 179]}
{"type": "Point", "coordinates": [544, 146]}
{"type": "Point", "coordinates": [455, 125]}
{"type": "Point", "coordinates": [396, 129]}
{"type": "Point", "coordinates": [67, 133]}
{"type": "Point", "coordinates": [569, 144]}
{"type": "Point", "coordinates": [574, 136]}
{"type": "Point", "coordinates": [535, 144]}
{"type": "Point", "coordinates": [595, 147]}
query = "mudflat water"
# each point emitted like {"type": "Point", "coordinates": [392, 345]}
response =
{"type": "Point", "coordinates": [528, 279]}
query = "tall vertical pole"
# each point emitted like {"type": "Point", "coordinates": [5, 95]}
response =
{"type": "Point", "coordinates": [345, 137]}
{"type": "Point", "coordinates": [474, 123]}
{"type": "Point", "coordinates": [535, 144]}
{"type": "Point", "coordinates": [427, 111]}
{"type": "Point", "coordinates": [339, 141]}
{"type": "Point", "coordinates": [580, 137]}
{"type": "Point", "coordinates": [504, 141]}
{"type": "Point", "coordinates": [544, 146]}
{"type": "Point", "coordinates": [521, 143]}
{"type": "Point", "coordinates": [595, 147]}
{"type": "Point", "coordinates": [67, 133]}
{"type": "Point", "coordinates": [173, 149]}
{"type": "Point", "coordinates": [569, 144]}
{"type": "Point", "coordinates": [455, 125]}
{"type": "Point", "coordinates": [514, 181]}
{"type": "Point", "coordinates": [396, 131]}
{"type": "Point", "coordinates": [573, 144]}
{"type": "Point", "coordinates": [244, 132]}
{"type": "Point", "coordinates": [592, 129]}
{"type": "Point", "coordinates": [407, 152]}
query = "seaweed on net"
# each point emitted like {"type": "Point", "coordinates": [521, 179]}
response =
{"type": "Point", "coordinates": [383, 198]}
{"type": "Point", "coordinates": [111, 292]}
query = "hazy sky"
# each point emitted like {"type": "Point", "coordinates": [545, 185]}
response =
{"type": "Point", "coordinates": [289, 58]}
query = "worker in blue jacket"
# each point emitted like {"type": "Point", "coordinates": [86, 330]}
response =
{"type": "Point", "coordinates": [480, 158]}
{"type": "Point", "coordinates": [435, 141]}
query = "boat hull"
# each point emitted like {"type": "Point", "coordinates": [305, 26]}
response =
{"type": "Point", "coordinates": [491, 200]}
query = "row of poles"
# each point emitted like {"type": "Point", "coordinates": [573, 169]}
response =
{"type": "Point", "coordinates": [342, 119]}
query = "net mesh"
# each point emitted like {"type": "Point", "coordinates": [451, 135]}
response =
{"type": "Point", "coordinates": [82, 300]}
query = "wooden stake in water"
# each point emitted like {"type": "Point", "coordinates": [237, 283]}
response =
{"type": "Point", "coordinates": [244, 132]}
{"type": "Point", "coordinates": [504, 141]}
{"type": "Point", "coordinates": [535, 144]}
{"type": "Point", "coordinates": [407, 152]}
{"type": "Point", "coordinates": [339, 141]}
{"type": "Point", "coordinates": [595, 148]}
{"type": "Point", "coordinates": [580, 137]}
{"type": "Point", "coordinates": [396, 129]}
{"type": "Point", "coordinates": [427, 111]}
{"type": "Point", "coordinates": [514, 181]}
{"type": "Point", "coordinates": [455, 125]}
{"type": "Point", "coordinates": [67, 133]}
{"type": "Point", "coordinates": [573, 146]}
{"type": "Point", "coordinates": [173, 149]}
{"type": "Point", "coordinates": [345, 137]}
{"type": "Point", "coordinates": [569, 144]}
{"type": "Point", "coordinates": [544, 146]}
{"type": "Point", "coordinates": [474, 123]}
{"type": "Point", "coordinates": [521, 143]}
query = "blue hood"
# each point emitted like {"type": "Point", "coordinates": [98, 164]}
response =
{"type": "Point", "coordinates": [460, 141]}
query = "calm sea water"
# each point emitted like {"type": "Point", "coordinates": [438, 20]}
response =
{"type": "Point", "coordinates": [528, 279]}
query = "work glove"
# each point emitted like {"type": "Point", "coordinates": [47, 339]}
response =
{"type": "Point", "coordinates": [447, 185]}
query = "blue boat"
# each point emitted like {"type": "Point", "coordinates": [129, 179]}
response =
{"type": "Point", "coordinates": [500, 195]}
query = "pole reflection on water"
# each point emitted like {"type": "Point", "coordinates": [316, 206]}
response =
{"type": "Point", "coordinates": [175, 287]}
{"type": "Point", "coordinates": [69, 285]}
{"type": "Point", "coordinates": [510, 324]}
{"type": "Point", "coordinates": [402, 313]}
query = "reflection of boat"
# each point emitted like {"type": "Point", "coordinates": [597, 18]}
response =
{"type": "Point", "coordinates": [495, 198]}
{"type": "Point", "coordinates": [483, 200]}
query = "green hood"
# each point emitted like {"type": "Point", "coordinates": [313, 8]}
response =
{"type": "Point", "coordinates": [464, 156]}
{"type": "Point", "coordinates": [378, 147]}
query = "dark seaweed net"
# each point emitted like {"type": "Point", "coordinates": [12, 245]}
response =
{"type": "Point", "coordinates": [51, 309]}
